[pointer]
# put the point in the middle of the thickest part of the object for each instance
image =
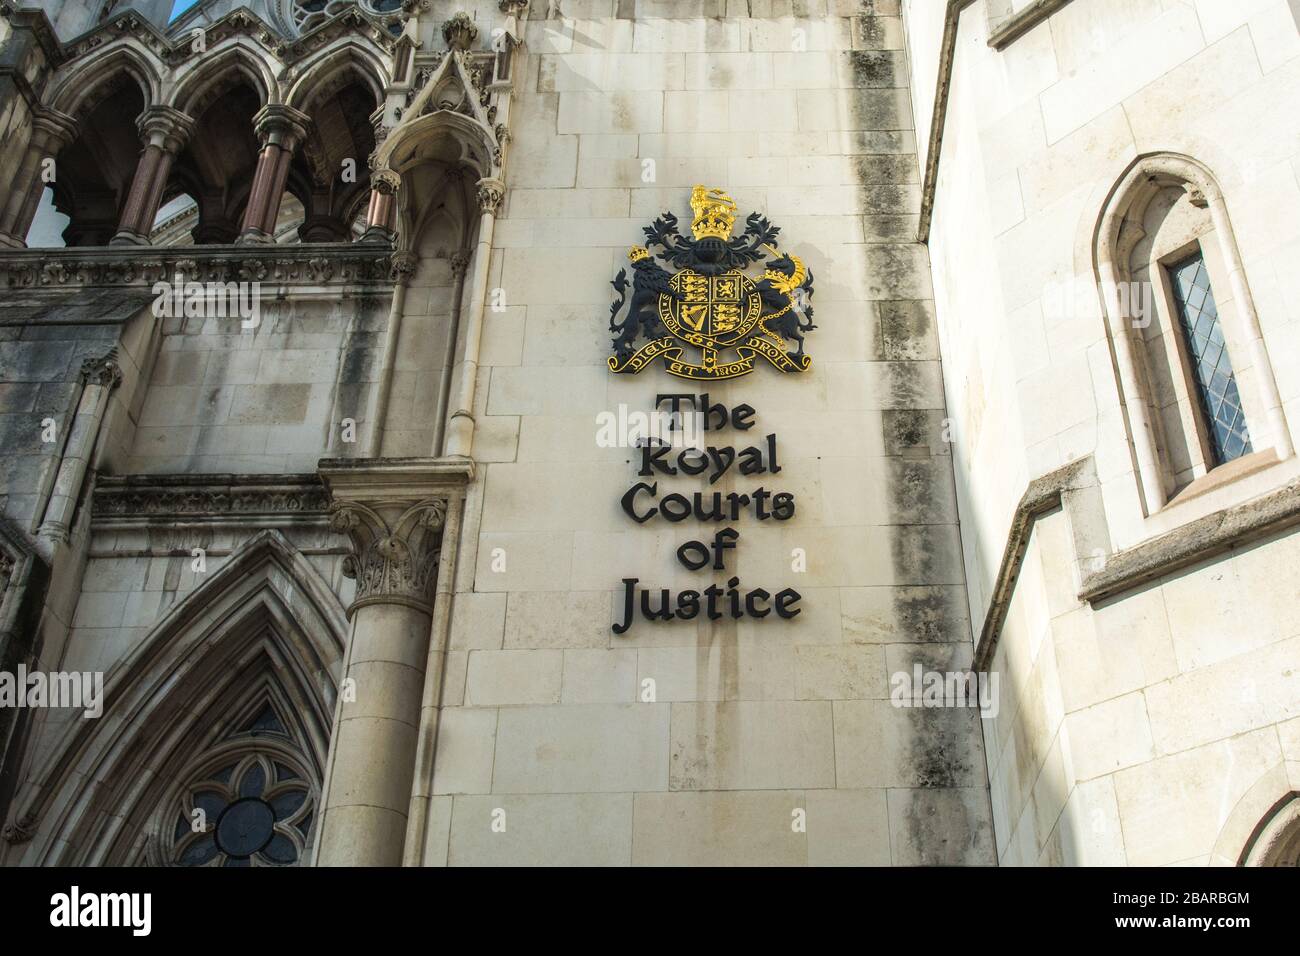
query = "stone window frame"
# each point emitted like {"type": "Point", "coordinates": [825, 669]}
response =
{"type": "Point", "coordinates": [1115, 239]}
{"type": "Point", "coordinates": [1162, 340]}
{"type": "Point", "coordinates": [1276, 840]}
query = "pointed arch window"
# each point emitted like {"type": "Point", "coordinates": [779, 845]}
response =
{"type": "Point", "coordinates": [1196, 386]}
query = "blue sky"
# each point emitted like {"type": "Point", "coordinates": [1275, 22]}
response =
{"type": "Point", "coordinates": [181, 6]}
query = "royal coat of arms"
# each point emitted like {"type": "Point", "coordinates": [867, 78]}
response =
{"type": "Point", "coordinates": [710, 304]}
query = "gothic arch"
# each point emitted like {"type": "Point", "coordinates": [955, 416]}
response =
{"type": "Point", "coordinates": [1276, 840]}
{"type": "Point", "coordinates": [263, 627]}
{"type": "Point", "coordinates": [237, 60]}
{"type": "Point", "coordinates": [1263, 827]}
{"type": "Point", "coordinates": [329, 71]}
{"type": "Point", "coordinates": [441, 135]}
{"type": "Point", "coordinates": [443, 207]}
{"type": "Point", "coordinates": [87, 82]}
{"type": "Point", "coordinates": [1116, 232]}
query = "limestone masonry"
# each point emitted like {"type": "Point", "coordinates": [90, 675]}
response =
{"type": "Point", "coordinates": [650, 432]}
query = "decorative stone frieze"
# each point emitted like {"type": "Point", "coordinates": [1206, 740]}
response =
{"type": "Point", "coordinates": [305, 264]}
{"type": "Point", "coordinates": [157, 499]}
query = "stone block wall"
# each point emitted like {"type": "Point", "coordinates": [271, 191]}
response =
{"type": "Point", "coordinates": [1155, 726]}
{"type": "Point", "coordinates": [801, 112]}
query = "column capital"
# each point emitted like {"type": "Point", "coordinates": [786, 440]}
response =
{"type": "Point", "coordinates": [385, 181]}
{"type": "Point", "coordinates": [404, 266]}
{"type": "Point", "coordinates": [394, 552]}
{"type": "Point", "coordinates": [392, 512]}
{"type": "Point", "coordinates": [281, 125]}
{"type": "Point", "coordinates": [513, 8]}
{"type": "Point", "coordinates": [165, 128]}
{"type": "Point", "coordinates": [102, 371]}
{"type": "Point", "coordinates": [56, 129]}
{"type": "Point", "coordinates": [490, 193]}
{"type": "Point", "coordinates": [459, 263]}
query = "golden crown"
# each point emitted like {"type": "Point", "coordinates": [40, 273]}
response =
{"type": "Point", "coordinates": [637, 253]}
{"type": "Point", "coordinates": [715, 213]}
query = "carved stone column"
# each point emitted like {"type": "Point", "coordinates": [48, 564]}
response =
{"type": "Point", "coordinates": [393, 512]}
{"type": "Point", "coordinates": [381, 220]}
{"type": "Point", "coordinates": [280, 129]}
{"type": "Point", "coordinates": [164, 132]}
{"type": "Point", "coordinates": [51, 132]}
{"type": "Point", "coordinates": [460, 427]}
{"type": "Point", "coordinates": [99, 377]}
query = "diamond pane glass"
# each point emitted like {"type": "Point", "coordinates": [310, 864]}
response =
{"type": "Point", "coordinates": [1216, 386]}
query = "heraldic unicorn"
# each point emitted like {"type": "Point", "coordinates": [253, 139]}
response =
{"type": "Point", "coordinates": [710, 304]}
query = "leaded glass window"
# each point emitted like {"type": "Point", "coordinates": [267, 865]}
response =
{"type": "Point", "coordinates": [1207, 352]}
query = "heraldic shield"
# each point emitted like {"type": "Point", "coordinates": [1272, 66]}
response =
{"type": "Point", "coordinates": [710, 306]}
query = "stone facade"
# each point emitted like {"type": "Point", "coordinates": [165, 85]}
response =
{"type": "Point", "coordinates": [1145, 627]}
{"type": "Point", "coordinates": [351, 546]}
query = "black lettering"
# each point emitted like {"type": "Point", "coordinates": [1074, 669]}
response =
{"type": "Point", "coordinates": [688, 605]}
{"type": "Point", "coordinates": [751, 598]}
{"type": "Point", "coordinates": [722, 459]}
{"type": "Point", "coordinates": [693, 547]}
{"type": "Point", "coordinates": [713, 592]}
{"type": "Point", "coordinates": [629, 586]}
{"type": "Point", "coordinates": [629, 502]}
{"type": "Point", "coordinates": [783, 601]}
{"type": "Point", "coordinates": [654, 457]}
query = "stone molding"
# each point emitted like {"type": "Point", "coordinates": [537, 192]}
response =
{"type": "Point", "coordinates": [1104, 573]}
{"type": "Point", "coordinates": [942, 89]}
{"type": "Point", "coordinates": [310, 264]}
{"type": "Point", "coordinates": [261, 500]}
{"type": "Point", "coordinates": [281, 125]}
{"type": "Point", "coordinates": [490, 193]}
{"type": "Point", "coordinates": [172, 126]}
{"type": "Point", "coordinates": [1043, 496]}
{"type": "Point", "coordinates": [1017, 24]}
{"type": "Point", "coordinates": [459, 33]}
{"type": "Point", "coordinates": [1194, 542]}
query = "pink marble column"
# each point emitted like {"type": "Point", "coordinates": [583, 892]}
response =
{"type": "Point", "coordinates": [164, 132]}
{"type": "Point", "coordinates": [51, 132]}
{"type": "Point", "coordinates": [280, 129]}
{"type": "Point", "coordinates": [381, 220]}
